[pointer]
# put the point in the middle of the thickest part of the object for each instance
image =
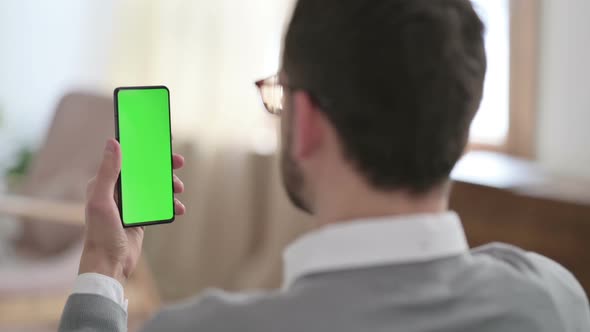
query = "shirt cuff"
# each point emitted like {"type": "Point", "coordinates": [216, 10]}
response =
{"type": "Point", "coordinates": [98, 284]}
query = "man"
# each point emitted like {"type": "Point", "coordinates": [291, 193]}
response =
{"type": "Point", "coordinates": [378, 99]}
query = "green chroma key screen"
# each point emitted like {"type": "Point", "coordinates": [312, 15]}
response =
{"type": "Point", "coordinates": [143, 129]}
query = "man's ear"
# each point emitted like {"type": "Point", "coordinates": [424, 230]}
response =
{"type": "Point", "coordinates": [307, 126]}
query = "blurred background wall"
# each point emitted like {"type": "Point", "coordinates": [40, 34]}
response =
{"type": "Point", "coordinates": [563, 98]}
{"type": "Point", "coordinates": [208, 53]}
{"type": "Point", "coordinates": [51, 47]}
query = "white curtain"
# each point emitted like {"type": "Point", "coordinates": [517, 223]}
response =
{"type": "Point", "coordinates": [208, 53]}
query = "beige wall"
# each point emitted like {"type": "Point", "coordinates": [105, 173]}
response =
{"type": "Point", "coordinates": [563, 136]}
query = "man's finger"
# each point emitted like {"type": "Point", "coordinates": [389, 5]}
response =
{"type": "Point", "coordinates": [177, 161]}
{"type": "Point", "coordinates": [179, 208]}
{"type": "Point", "coordinates": [178, 185]}
{"type": "Point", "coordinates": [108, 173]}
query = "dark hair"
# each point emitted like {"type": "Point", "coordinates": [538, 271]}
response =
{"type": "Point", "coordinates": [400, 80]}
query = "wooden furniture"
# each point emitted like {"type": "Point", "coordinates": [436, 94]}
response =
{"type": "Point", "coordinates": [52, 211]}
{"type": "Point", "coordinates": [34, 288]}
{"type": "Point", "coordinates": [524, 59]}
{"type": "Point", "coordinates": [510, 200]}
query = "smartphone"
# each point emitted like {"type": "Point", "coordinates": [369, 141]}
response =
{"type": "Point", "coordinates": [142, 126]}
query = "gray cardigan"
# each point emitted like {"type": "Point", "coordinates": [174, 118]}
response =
{"type": "Point", "coordinates": [493, 288]}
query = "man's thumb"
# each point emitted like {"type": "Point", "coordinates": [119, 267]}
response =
{"type": "Point", "coordinates": [108, 173]}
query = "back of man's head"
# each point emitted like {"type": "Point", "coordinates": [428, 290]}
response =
{"type": "Point", "coordinates": [400, 81]}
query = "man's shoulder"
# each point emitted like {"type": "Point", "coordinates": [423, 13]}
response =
{"type": "Point", "coordinates": [214, 310]}
{"type": "Point", "coordinates": [541, 273]}
{"type": "Point", "coordinates": [528, 263]}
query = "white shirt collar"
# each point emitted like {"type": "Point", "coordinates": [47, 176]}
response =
{"type": "Point", "coordinates": [373, 242]}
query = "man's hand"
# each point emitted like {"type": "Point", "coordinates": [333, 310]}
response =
{"type": "Point", "coordinates": [109, 248]}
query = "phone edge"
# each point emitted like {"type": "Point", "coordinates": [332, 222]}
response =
{"type": "Point", "coordinates": [118, 186]}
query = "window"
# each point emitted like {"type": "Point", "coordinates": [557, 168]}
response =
{"type": "Point", "coordinates": [505, 121]}
{"type": "Point", "coordinates": [490, 125]}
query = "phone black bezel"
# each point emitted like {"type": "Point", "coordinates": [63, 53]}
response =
{"type": "Point", "coordinates": [119, 195]}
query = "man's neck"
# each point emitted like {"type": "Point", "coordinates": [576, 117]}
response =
{"type": "Point", "coordinates": [363, 202]}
